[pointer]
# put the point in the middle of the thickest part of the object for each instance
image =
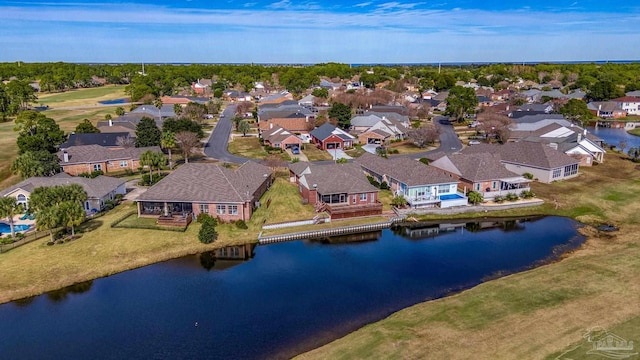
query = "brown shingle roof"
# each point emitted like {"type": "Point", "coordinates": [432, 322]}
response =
{"type": "Point", "coordinates": [408, 171]}
{"type": "Point", "coordinates": [337, 178]}
{"type": "Point", "coordinates": [96, 153]}
{"type": "Point", "coordinates": [480, 167]}
{"type": "Point", "coordinates": [202, 182]}
{"type": "Point", "coordinates": [96, 188]}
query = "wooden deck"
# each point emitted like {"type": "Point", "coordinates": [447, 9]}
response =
{"type": "Point", "coordinates": [175, 220]}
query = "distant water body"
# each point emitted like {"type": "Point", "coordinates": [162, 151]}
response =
{"type": "Point", "coordinates": [444, 63]}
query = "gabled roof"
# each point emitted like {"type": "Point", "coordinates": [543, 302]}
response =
{"type": "Point", "coordinates": [278, 134]}
{"type": "Point", "coordinates": [335, 179]}
{"type": "Point", "coordinates": [108, 139]}
{"type": "Point", "coordinates": [606, 106]}
{"type": "Point", "coordinates": [405, 170]}
{"type": "Point", "coordinates": [627, 99]}
{"type": "Point", "coordinates": [207, 183]}
{"type": "Point", "coordinates": [475, 167]}
{"type": "Point", "coordinates": [166, 111]}
{"type": "Point", "coordinates": [96, 188]}
{"type": "Point", "coordinates": [525, 153]}
{"type": "Point", "coordinates": [96, 153]}
{"type": "Point", "coordinates": [325, 130]}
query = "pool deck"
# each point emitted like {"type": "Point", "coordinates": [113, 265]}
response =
{"type": "Point", "coordinates": [18, 221]}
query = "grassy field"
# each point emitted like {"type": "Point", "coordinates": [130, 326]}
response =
{"type": "Point", "coordinates": [82, 97]}
{"type": "Point", "coordinates": [315, 154]}
{"type": "Point", "coordinates": [250, 147]}
{"type": "Point", "coordinates": [539, 313]}
{"type": "Point", "coordinates": [67, 119]}
{"type": "Point", "coordinates": [407, 147]}
{"type": "Point", "coordinates": [635, 132]}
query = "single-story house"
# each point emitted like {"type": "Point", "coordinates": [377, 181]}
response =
{"type": "Point", "coordinates": [278, 137]}
{"type": "Point", "coordinates": [630, 104]}
{"type": "Point", "coordinates": [483, 173]}
{"type": "Point", "coordinates": [76, 160]}
{"type": "Point", "coordinates": [196, 188]}
{"type": "Point", "coordinates": [606, 109]}
{"type": "Point", "coordinates": [572, 140]}
{"type": "Point", "coordinates": [99, 189]}
{"type": "Point", "coordinates": [373, 129]}
{"type": "Point", "coordinates": [327, 137]}
{"type": "Point", "coordinates": [545, 163]}
{"type": "Point", "coordinates": [340, 189]}
{"type": "Point", "coordinates": [419, 184]}
{"type": "Point", "coordinates": [107, 139]}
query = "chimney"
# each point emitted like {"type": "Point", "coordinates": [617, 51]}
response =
{"type": "Point", "coordinates": [599, 107]}
{"type": "Point", "coordinates": [110, 122]}
{"type": "Point", "coordinates": [65, 156]}
{"type": "Point", "coordinates": [270, 125]}
{"type": "Point", "coordinates": [579, 137]}
{"type": "Point", "coordinates": [553, 146]}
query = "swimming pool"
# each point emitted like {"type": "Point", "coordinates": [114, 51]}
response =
{"type": "Point", "coordinates": [451, 197]}
{"type": "Point", "coordinates": [6, 229]}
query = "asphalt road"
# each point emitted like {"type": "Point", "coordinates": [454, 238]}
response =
{"type": "Point", "coordinates": [449, 142]}
{"type": "Point", "coordinates": [216, 146]}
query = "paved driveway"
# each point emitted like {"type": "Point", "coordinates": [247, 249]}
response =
{"type": "Point", "coordinates": [339, 154]}
{"type": "Point", "coordinates": [133, 190]}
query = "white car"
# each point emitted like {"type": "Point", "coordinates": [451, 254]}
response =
{"type": "Point", "coordinates": [474, 142]}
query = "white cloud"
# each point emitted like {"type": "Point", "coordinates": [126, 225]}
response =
{"type": "Point", "coordinates": [361, 5]}
{"type": "Point", "coordinates": [282, 4]}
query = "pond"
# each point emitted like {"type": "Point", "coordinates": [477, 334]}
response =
{"type": "Point", "coordinates": [114, 101]}
{"type": "Point", "coordinates": [613, 137]}
{"type": "Point", "coordinates": [282, 300]}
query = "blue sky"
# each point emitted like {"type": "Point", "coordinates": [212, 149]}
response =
{"type": "Point", "coordinates": [300, 31]}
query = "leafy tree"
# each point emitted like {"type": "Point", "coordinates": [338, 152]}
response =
{"type": "Point", "coordinates": [147, 133]}
{"type": "Point", "coordinates": [177, 125]}
{"type": "Point", "coordinates": [634, 153]}
{"type": "Point", "coordinates": [152, 159]}
{"type": "Point", "coordinates": [9, 208]}
{"type": "Point", "coordinates": [119, 111]}
{"type": "Point", "coordinates": [177, 108]}
{"type": "Point", "coordinates": [320, 92]}
{"type": "Point", "coordinates": [37, 132]}
{"type": "Point", "coordinates": [399, 201]}
{"type": "Point", "coordinates": [36, 163]}
{"type": "Point", "coordinates": [475, 197]}
{"type": "Point", "coordinates": [244, 127]}
{"type": "Point", "coordinates": [576, 110]}
{"type": "Point", "coordinates": [86, 127]}
{"type": "Point", "coordinates": [168, 141]}
{"type": "Point", "coordinates": [20, 94]}
{"type": "Point", "coordinates": [194, 112]}
{"type": "Point", "coordinates": [236, 121]}
{"type": "Point", "coordinates": [461, 100]}
{"type": "Point", "coordinates": [58, 205]}
{"type": "Point", "coordinates": [187, 141]}
{"type": "Point", "coordinates": [342, 113]}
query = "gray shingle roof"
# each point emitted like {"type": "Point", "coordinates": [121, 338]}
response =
{"type": "Point", "coordinates": [525, 153]}
{"type": "Point", "coordinates": [96, 153]}
{"type": "Point", "coordinates": [109, 139]}
{"type": "Point", "coordinates": [209, 183]}
{"type": "Point", "coordinates": [480, 167]}
{"type": "Point", "coordinates": [95, 188]}
{"type": "Point", "coordinates": [337, 179]}
{"type": "Point", "coordinates": [408, 171]}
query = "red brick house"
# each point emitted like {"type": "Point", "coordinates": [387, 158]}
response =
{"type": "Point", "coordinates": [328, 137]}
{"type": "Point", "coordinates": [196, 188]}
{"type": "Point", "coordinates": [342, 190]}
{"type": "Point", "coordinates": [76, 160]}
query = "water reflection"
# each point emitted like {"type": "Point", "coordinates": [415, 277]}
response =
{"type": "Point", "coordinates": [350, 238]}
{"type": "Point", "coordinates": [62, 294]}
{"type": "Point", "coordinates": [430, 229]}
{"type": "Point", "coordinates": [226, 257]}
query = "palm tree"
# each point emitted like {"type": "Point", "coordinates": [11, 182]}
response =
{"type": "Point", "coordinates": [72, 215]}
{"type": "Point", "coordinates": [168, 141]}
{"type": "Point", "coordinates": [47, 219]}
{"type": "Point", "coordinates": [146, 159]}
{"type": "Point", "coordinates": [9, 208]}
{"type": "Point", "coordinates": [159, 161]}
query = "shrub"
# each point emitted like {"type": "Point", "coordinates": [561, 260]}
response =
{"type": "Point", "coordinates": [511, 197]}
{"type": "Point", "coordinates": [424, 161]}
{"type": "Point", "coordinates": [240, 224]}
{"type": "Point", "coordinates": [527, 194]}
{"type": "Point", "coordinates": [342, 161]}
{"type": "Point", "coordinates": [528, 176]}
{"type": "Point", "coordinates": [203, 217]}
{"type": "Point", "coordinates": [384, 186]}
{"type": "Point", "coordinates": [208, 233]}
{"type": "Point", "coordinates": [498, 199]}
{"type": "Point", "coordinates": [475, 197]}
{"type": "Point", "coordinates": [295, 159]}
{"type": "Point", "coordinates": [92, 175]}
{"type": "Point", "coordinates": [393, 151]}
{"type": "Point", "coordinates": [399, 201]}
{"type": "Point", "coordinates": [150, 180]}
{"type": "Point", "coordinates": [373, 181]}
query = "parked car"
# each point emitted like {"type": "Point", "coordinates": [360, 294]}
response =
{"type": "Point", "coordinates": [474, 142]}
{"type": "Point", "coordinates": [295, 150]}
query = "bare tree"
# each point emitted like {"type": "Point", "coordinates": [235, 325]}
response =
{"type": "Point", "coordinates": [494, 125]}
{"type": "Point", "coordinates": [424, 135]}
{"type": "Point", "coordinates": [274, 162]}
{"type": "Point", "coordinates": [195, 112]}
{"type": "Point", "coordinates": [244, 107]}
{"type": "Point", "coordinates": [187, 141]}
{"type": "Point", "coordinates": [126, 141]}
{"type": "Point", "coordinates": [622, 145]}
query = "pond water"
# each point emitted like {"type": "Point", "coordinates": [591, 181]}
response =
{"type": "Point", "coordinates": [114, 101]}
{"type": "Point", "coordinates": [283, 300]}
{"type": "Point", "coordinates": [613, 137]}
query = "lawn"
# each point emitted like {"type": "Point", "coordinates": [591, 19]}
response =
{"type": "Point", "coordinates": [538, 313]}
{"type": "Point", "coordinates": [82, 97]}
{"type": "Point", "coordinates": [250, 147]}
{"type": "Point", "coordinates": [407, 147]}
{"type": "Point", "coordinates": [315, 154]}
{"type": "Point", "coordinates": [635, 132]}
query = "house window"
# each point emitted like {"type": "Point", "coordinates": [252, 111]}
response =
{"type": "Point", "coordinates": [355, 199]}
{"type": "Point", "coordinates": [124, 163]}
{"type": "Point", "coordinates": [556, 173]}
{"type": "Point", "coordinates": [443, 188]}
{"type": "Point", "coordinates": [221, 209]}
{"type": "Point", "coordinates": [477, 187]}
{"type": "Point", "coordinates": [421, 194]}
{"type": "Point", "coordinates": [233, 209]}
{"type": "Point", "coordinates": [97, 167]}
{"type": "Point", "coordinates": [495, 184]}
{"type": "Point", "coordinates": [571, 170]}
{"type": "Point", "coordinates": [363, 197]}
{"type": "Point", "coordinates": [204, 208]}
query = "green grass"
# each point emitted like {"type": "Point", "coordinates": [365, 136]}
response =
{"type": "Point", "coordinates": [84, 96]}
{"type": "Point", "coordinates": [315, 154]}
{"type": "Point", "coordinates": [250, 147]}
{"type": "Point", "coordinates": [635, 132]}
